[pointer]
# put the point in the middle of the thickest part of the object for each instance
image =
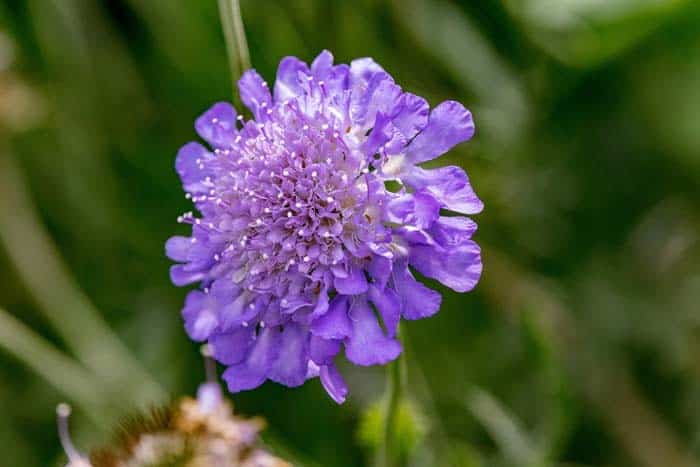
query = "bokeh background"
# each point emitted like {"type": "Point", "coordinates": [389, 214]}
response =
{"type": "Point", "coordinates": [581, 345]}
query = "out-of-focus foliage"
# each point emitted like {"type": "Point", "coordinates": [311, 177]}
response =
{"type": "Point", "coordinates": [408, 428]}
{"type": "Point", "coordinates": [579, 347]}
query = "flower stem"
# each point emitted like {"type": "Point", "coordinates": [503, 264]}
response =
{"type": "Point", "coordinates": [390, 455]}
{"type": "Point", "coordinates": [236, 43]}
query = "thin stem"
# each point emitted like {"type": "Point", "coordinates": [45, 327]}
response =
{"type": "Point", "coordinates": [390, 455]}
{"type": "Point", "coordinates": [236, 43]}
{"type": "Point", "coordinates": [209, 363]}
{"type": "Point", "coordinates": [239, 30]}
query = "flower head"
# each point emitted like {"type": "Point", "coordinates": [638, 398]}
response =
{"type": "Point", "coordinates": [300, 247]}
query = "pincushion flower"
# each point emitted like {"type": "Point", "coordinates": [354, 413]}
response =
{"type": "Point", "coordinates": [300, 247]}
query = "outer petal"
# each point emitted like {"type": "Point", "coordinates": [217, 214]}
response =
{"type": "Point", "coordinates": [232, 347]}
{"type": "Point", "coordinates": [362, 70]}
{"type": "Point", "coordinates": [333, 383]}
{"type": "Point", "coordinates": [313, 370]}
{"type": "Point", "coordinates": [335, 324]}
{"type": "Point", "coordinates": [255, 94]}
{"type": "Point", "coordinates": [180, 275]}
{"type": "Point", "coordinates": [252, 372]}
{"type": "Point", "coordinates": [413, 116]}
{"type": "Point", "coordinates": [200, 316]}
{"type": "Point", "coordinates": [192, 168]}
{"type": "Point", "coordinates": [449, 124]}
{"type": "Point", "coordinates": [389, 305]}
{"type": "Point", "coordinates": [323, 351]}
{"type": "Point", "coordinates": [177, 248]}
{"type": "Point", "coordinates": [452, 231]}
{"type": "Point", "coordinates": [336, 82]}
{"type": "Point", "coordinates": [292, 363]}
{"type": "Point", "coordinates": [417, 300]}
{"type": "Point", "coordinates": [217, 126]}
{"type": "Point", "coordinates": [450, 185]}
{"type": "Point", "coordinates": [288, 84]}
{"type": "Point", "coordinates": [322, 64]}
{"type": "Point", "coordinates": [381, 133]}
{"type": "Point", "coordinates": [381, 96]}
{"type": "Point", "coordinates": [426, 211]}
{"type": "Point", "coordinates": [459, 268]}
{"type": "Point", "coordinates": [368, 345]}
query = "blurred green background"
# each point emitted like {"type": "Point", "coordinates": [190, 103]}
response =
{"type": "Point", "coordinates": [581, 345]}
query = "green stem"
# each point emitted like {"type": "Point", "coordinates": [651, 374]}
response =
{"type": "Point", "coordinates": [236, 43]}
{"type": "Point", "coordinates": [390, 455]}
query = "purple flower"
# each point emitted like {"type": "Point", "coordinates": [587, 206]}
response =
{"type": "Point", "coordinates": [300, 247]}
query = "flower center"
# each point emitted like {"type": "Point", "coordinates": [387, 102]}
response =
{"type": "Point", "coordinates": [291, 198]}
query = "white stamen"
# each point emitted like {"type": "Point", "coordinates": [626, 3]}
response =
{"type": "Point", "coordinates": [76, 459]}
